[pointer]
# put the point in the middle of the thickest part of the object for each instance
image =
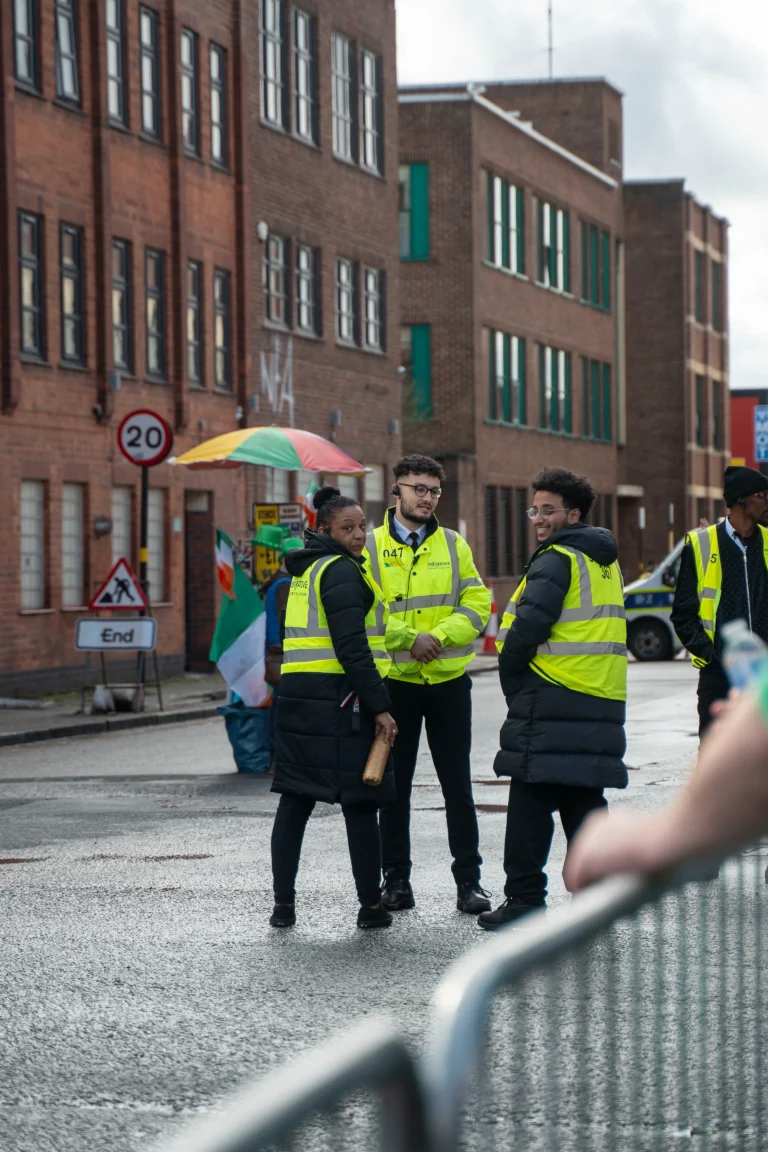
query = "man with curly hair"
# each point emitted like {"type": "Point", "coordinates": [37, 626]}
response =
{"type": "Point", "coordinates": [563, 670]}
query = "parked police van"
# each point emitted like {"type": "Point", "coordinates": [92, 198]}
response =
{"type": "Point", "coordinates": [648, 604]}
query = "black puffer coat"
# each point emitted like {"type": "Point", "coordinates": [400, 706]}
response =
{"type": "Point", "coordinates": [553, 735]}
{"type": "Point", "coordinates": [320, 747]}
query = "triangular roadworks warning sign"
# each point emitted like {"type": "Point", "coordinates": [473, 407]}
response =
{"type": "Point", "coordinates": [121, 590]}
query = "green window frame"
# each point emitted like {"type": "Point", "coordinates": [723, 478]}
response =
{"type": "Point", "coordinates": [566, 252]}
{"type": "Point", "coordinates": [605, 279]}
{"type": "Point", "coordinates": [414, 212]}
{"type": "Point", "coordinates": [586, 408]}
{"type": "Point", "coordinates": [542, 386]}
{"type": "Point", "coordinates": [607, 430]}
{"type": "Point", "coordinates": [417, 339]}
{"type": "Point", "coordinates": [506, 357]}
{"type": "Point", "coordinates": [698, 276]}
{"type": "Point", "coordinates": [567, 401]}
{"type": "Point", "coordinates": [594, 267]}
{"type": "Point", "coordinates": [594, 370]}
{"type": "Point", "coordinates": [517, 227]}
{"type": "Point", "coordinates": [584, 262]}
{"type": "Point", "coordinates": [522, 406]}
{"type": "Point", "coordinates": [717, 296]}
{"type": "Point", "coordinates": [506, 236]}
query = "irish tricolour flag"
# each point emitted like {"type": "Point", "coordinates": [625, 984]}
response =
{"type": "Point", "coordinates": [225, 564]}
{"type": "Point", "coordinates": [240, 637]}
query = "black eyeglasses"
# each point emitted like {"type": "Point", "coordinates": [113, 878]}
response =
{"type": "Point", "coordinates": [422, 490]}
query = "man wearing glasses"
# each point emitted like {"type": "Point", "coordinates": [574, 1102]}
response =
{"type": "Point", "coordinates": [724, 576]}
{"type": "Point", "coordinates": [563, 670]}
{"type": "Point", "coordinates": [438, 606]}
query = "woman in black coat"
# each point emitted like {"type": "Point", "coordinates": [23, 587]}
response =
{"type": "Point", "coordinates": [326, 722]}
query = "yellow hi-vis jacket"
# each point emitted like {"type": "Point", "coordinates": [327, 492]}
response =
{"type": "Point", "coordinates": [434, 589]}
{"type": "Point", "coordinates": [587, 648]}
{"type": "Point", "coordinates": [308, 646]}
{"type": "Point", "coordinates": [709, 573]}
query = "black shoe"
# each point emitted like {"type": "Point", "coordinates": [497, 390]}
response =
{"type": "Point", "coordinates": [470, 897]}
{"type": "Point", "coordinates": [377, 917]}
{"type": "Point", "coordinates": [397, 894]}
{"type": "Point", "coordinates": [512, 909]}
{"type": "Point", "coordinates": [283, 916]}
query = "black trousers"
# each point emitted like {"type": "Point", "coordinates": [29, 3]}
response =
{"type": "Point", "coordinates": [530, 828]}
{"type": "Point", "coordinates": [713, 685]}
{"type": "Point", "coordinates": [291, 818]}
{"type": "Point", "coordinates": [446, 711]}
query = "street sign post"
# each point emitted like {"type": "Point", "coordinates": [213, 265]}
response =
{"type": "Point", "coordinates": [145, 439]}
{"type": "Point", "coordinates": [94, 635]}
{"type": "Point", "coordinates": [761, 432]}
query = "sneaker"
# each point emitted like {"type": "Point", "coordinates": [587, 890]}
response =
{"type": "Point", "coordinates": [470, 897]}
{"type": "Point", "coordinates": [397, 894]}
{"type": "Point", "coordinates": [283, 916]}
{"type": "Point", "coordinates": [377, 917]}
{"type": "Point", "coordinates": [511, 910]}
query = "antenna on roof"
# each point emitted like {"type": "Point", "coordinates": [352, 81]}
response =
{"type": "Point", "coordinates": [550, 46]}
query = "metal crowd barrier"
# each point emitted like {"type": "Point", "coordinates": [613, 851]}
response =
{"type": "Point", "coordinates": [631, 1020]}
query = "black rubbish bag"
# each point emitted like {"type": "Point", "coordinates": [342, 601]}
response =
{"type": "Point", "coordinates": [250, 734]}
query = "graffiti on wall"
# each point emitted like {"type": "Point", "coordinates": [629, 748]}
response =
{"type": "Point", "coordinates": [277, 376]}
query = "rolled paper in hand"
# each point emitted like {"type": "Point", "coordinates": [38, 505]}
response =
{"type": "Point", "coordinates": [376, 763]}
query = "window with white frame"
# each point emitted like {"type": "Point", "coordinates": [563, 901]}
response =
{"type": "Point", "coordinates": [272, 62]}
{"type": "Point", "coordinates": [156, 544]}
{"type": "Point", "coordinates": [218, 62]}
{"type": "Point", "coordinates": [370, 111]}
{"type": "Point", "coordinates": [347, 485]}
{"type": "Point", "coordinates": [67, 84]}
{"type": "Point", "coordinates": [342, 103]}
{"type": "Point", "coordinates": [25, 35]}
{"type": "Point", "coordinates": [277, 486]}
{"type": "Point", "coordinates": [373, 494]}
{"type": "Point", "coordinates": [190, 121]}
{"type": "Point", "coordinates": [506, 248]}
{"type": "Point", "coordinates": [307, 312]}
{"type": "Point", "coordinates": [304, 76]}
{"type": "Point", "coordinates": [122, 523]}
{"type": "Point", "coordinates": [72, 546]}
{"type": "Point", "coordinates": [275, 279]}
{"type": "Point", "coordinates": [346, 310]}
{"type": "Point", "coordinates": [373, 290]}
{"type": "Point", "coordinates": [150, 73]}
{"type": "Point", "coordinates": [116, 102]}
{"type": "Point", "coordinates": [555, 404]}
{"type": "Point", "coordinates": [554, 247]}
{"type": "Point", "coordinates": [194, 323]}
{"type": "Point", "coordinates": [32, 544]}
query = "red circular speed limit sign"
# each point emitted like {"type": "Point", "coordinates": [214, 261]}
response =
{"type": "Point", "coordinates": [144, 438]}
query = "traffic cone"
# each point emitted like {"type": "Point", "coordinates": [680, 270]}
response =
{"type": "Point", "coordinates": [492, 630]}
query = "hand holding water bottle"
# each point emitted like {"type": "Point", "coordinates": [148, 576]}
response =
{"type": "Point", "coordinates": [744, 654]}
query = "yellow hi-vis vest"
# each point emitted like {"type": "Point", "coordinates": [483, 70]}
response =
{"type": "Point", "coordinates": [709, 575]}
{"type": "Point", "coordinates": [435, 589]}
{"type": "Point", "coordinates": [587, 648]}
{"type": "Point", "coordinates": [308, 646]}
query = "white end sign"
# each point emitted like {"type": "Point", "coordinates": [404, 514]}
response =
{"type": "Point", "coordinates": [137, 635]}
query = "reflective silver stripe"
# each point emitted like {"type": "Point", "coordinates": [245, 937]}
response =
{"type": "Point", "coordinates": [502, 635]}
{"type": "Point", "coordinates": [511, 608]}
{"type": "Point", "coordinates": [309, 655]}
{"type": "Point", "coordinates": [470, 582]}
{"type": "Point", "coordinates": [594, 648]}
{"type": "Point", "coordinates": [400, 606]}
{"type": "Point", "coordinates": [296, 633]}
{"type": "Point", "coordinates": [708, 594]}
{"type": "Point", "coordinates": [379, 654]}
{"type": "Point", "coordinates": [454, 653]}
{"type": "Point", "coordinates": [596, 613]}
{"type": "Point", "coordinates": [373, 554]}
{"type": "Point", "coordinates": [450, 539]}
{"type": "Point", "coordinates": [585, 584]}
{"type": "Point", "coordinates": [474, 618]}
{"type": "Point", "coordinates": [706, 547]}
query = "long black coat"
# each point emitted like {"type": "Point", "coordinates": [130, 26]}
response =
{"type": "Point", "coordinates": [320, 747]}
{"type": "Point", "coordinates": [553, 735]}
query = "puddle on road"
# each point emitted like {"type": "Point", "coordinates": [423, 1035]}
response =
{"type": "Point", "coordinates": [22, 859]}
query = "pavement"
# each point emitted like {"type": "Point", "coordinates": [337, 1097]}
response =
{"type": "Point", "coordinates": [141, 980]}
{"type": "Point", "coordinates": [194, 696]}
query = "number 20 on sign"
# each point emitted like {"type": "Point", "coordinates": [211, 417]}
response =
{"type": "Point", "coordinates": [144, 438]}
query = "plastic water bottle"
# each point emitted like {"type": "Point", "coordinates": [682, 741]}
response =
{"type": "Point", "coordinates": [744, 654]}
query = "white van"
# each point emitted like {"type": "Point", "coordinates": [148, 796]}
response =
{"type": "Point", "coordinates": [648, 604]}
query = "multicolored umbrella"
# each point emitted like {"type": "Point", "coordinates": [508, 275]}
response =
{"type": "Point", "coordinates": [290, 448]}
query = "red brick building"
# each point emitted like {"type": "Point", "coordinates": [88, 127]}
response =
{"type": "Point", "coordinates": [197, 215]}
{"type": "Point", "coordinates": [511, 295]}
{"type": "Point", "coordinates": [678, 418]}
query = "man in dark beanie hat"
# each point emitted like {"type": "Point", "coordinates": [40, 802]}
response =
{"type": "Point", "coordinates": [724, 576]}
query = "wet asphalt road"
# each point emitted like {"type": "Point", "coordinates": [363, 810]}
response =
{"type": "Point", "coordinates": [141, 981]}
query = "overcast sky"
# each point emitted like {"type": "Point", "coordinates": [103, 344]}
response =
{"type": "Point", "coordinates": [694, 74]}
